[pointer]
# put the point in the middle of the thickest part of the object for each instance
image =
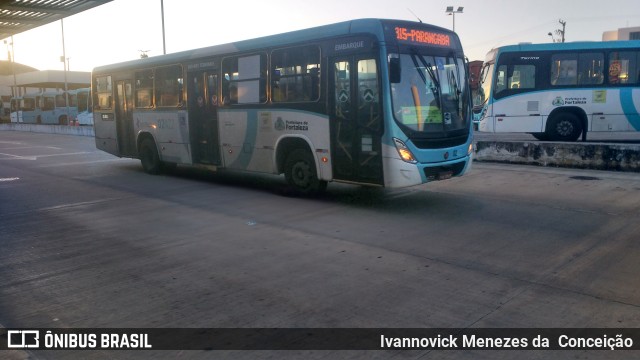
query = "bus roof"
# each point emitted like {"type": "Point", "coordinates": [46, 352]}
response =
{"type": "Point", "coordinates": [578, 45]}
{"type": "Point", "coordinates": [351, 27]}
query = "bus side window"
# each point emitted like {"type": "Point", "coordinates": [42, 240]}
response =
{"type": "Point", "coordinates": [245, 79]}
{"type": "Point", "coordinates": [144, 88]}
{"type": "Point", "coordinates": [623, 67]}
{"type": "Point", "coordinates": [564, 69]}
{"type": "Point", "coordinates": [296, 74]}
{"type": "Point", "coordinates": [590, 68]}
{"type": "Point", "coordinates": [49, 103]}
{"type": "Point", "coordinates": [523, 77]}
{"type": "Point", "coordinates": [168, 86]}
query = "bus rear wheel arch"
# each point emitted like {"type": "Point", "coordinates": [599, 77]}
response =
{"type": "Point", "coordinates": [564, 126]}
{"type": "Point", "coordinates": [300, 173]}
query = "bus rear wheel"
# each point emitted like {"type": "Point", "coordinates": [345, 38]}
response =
{"type": "Point", "coordinates": [149, 157]}
{"type": "Point", "coordinates": [301, 175]}
{"type": "Point", "coordinates": [62, 120]}
{"type": "Point", "coordinates": [564, 127]}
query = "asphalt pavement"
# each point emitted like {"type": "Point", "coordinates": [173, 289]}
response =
{"type": "Point", "coordinates": [89, 240]}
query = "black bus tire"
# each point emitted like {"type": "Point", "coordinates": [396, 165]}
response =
{"type": "Point", "coordinates": [149, 157]}
{"type": "Point", "coordinates": [301, 175]}
{"type": "Point", "coordinates": [540, 136]}
{"type": "Point", "coordinates": [564, 127]}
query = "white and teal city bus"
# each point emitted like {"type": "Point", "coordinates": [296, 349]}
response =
{"type": "Point", "coordinates": [560, 91]}
{"type": "Point", "coordinates": [370, 101]}
{"type": "Point", "coordinates": [48, 107]}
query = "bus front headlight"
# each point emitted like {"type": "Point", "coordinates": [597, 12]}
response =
{"type": "Point", "coordinates": [404, 152]}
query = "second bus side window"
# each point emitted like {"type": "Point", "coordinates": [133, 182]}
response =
{"type": "Point", "coordinates": [590, 66]}
{"type": "Point", "coordinates": [244, 79]}
{"type": "Point", "coordinates": [168, 81]}
{"type": "Point", "coordinates": [144, 89]}
{"type": "Point", "coordinates": [564, 69]}
{"type": "Point", "coordinates": [296, 74]}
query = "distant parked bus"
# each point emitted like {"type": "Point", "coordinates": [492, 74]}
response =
{"type": "Point", "coordinates": [371, 101]}
{"type": "Point", "coordinates": [560, 91]}
{"type": "Point", "coordinates": [49, 107]}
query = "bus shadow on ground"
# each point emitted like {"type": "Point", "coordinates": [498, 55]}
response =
{"type": "Point", "coordinates": [357, 196]}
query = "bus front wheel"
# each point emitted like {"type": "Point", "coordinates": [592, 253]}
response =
{"type": "Point", "coordinates": [149, 157]}
{"type": "Point", "coordinates": [300, 173]}
{"type": "Point", "coordinates": [564, 127]}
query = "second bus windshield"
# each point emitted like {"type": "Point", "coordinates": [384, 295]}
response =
{"type": "Point", "coordinates": [431, 95]}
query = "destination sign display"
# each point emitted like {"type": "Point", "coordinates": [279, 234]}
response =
{"type": "Point", "coordinates": [422, 37]}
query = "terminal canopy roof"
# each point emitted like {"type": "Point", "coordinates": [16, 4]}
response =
{"type": "Point", "coordinates": [18, 16]}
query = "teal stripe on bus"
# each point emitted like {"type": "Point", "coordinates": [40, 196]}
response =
{"type": "Point", "coordinates": [246, 153]}
{"type": "Point", "coordinates": [629, 108]}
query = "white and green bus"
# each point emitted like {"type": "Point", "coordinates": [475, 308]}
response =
{"type": "Point", "coordinates": [560, 91]}
{"type": "Point", "coordinates": [370, 101]}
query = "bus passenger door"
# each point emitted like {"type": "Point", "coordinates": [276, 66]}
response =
{"type": "Point", "coordinates": [356, 120]}
{"type": "Point", "coordinates": [124, 118]}
{"type": "Point", "coordinates": [203, 116]}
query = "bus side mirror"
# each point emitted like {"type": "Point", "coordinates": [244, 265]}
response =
{"type": "Point", "coordinates": [394, 70]}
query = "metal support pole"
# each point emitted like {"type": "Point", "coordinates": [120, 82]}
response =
{"type": "Point", "coordinates": [64, 61]}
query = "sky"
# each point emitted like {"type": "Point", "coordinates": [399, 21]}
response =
{"type": "Point", "coordinates": [119, 30]}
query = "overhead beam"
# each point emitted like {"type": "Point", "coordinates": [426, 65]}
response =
{"type": "Point", "coordinates": [18, 16]}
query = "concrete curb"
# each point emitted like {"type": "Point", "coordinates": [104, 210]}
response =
{"type": "Point", "coordinates": [597, 156]}
{"type": "Point", "coordinates": [50, 129]}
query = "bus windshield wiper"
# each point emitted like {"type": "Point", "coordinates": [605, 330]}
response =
{"type": "Point", "coordinates": [435, 89]}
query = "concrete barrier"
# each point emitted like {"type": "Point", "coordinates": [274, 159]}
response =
{"type": "Point", "coordinates": [598, 156]}
{"type": "Point", "coordinates": [50, 129]}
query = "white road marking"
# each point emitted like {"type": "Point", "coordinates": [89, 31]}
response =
{"type": "Point", "coordinates": [36, 157]}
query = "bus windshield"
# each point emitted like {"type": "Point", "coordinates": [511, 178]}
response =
{"type": "Point", "coordinates": [429, 98]}
{"type": "Point", "coordinates": [486, 78]}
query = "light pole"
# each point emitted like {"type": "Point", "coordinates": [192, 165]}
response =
{"type": "Point", "coordinates": [11, 56]}
{"type": "Point", "coordinates": [63, 59]}
{"type": "Point", "coordinates": [164, 44]}
{"type": "Point", "coordinates": [453, 13]}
